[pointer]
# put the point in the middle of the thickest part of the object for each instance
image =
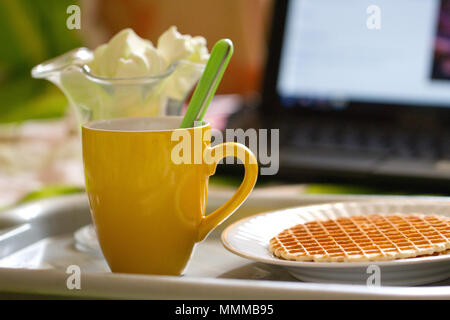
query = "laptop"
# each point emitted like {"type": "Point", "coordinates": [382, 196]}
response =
{"type": "Point", "coordinates": [357, 99]}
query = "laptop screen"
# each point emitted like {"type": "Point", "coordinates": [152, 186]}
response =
{"type": "Point", "coordinates": [336, 52]}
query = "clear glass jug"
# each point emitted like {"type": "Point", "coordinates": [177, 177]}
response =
{"type": "Point", "coordinates": [96, 98]}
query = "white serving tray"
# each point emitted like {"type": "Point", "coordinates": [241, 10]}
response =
{"type": "Point", "coordinates": [37, 246]}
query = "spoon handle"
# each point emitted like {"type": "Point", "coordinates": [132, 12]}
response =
{"type": "Point", "coordinates": [208, 83]}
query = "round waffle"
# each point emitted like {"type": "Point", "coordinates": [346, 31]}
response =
{"type": "Point", "coordinates": [364, 238]}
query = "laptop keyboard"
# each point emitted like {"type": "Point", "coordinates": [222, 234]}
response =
{"type": "Point", "coordinates": [369, 139]}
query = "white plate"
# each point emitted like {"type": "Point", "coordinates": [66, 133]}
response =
{"type": "Point", "coordinates": [249, 238]}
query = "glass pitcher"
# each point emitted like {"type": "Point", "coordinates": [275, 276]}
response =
{"type": "Point", "coordinates": [96, 98]}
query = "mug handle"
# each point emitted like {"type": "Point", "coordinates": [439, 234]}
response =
{"type": "Point", "coordinates": [230, 149]}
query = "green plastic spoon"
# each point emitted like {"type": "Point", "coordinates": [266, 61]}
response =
{"type": "Point", "coordinates": [208, 83]}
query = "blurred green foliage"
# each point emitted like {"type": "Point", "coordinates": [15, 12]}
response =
{"type": "Point", "coordinates": [50, 191]}
{"type": "Point", "coordinates": [359, 190]}
{"type": "Point", "coordinates": [32, 31]}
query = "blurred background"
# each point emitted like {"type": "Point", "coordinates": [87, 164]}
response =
{"type": "Point", "coordinates": [34, 31]}
{"type": "Point", "coordinates": [359, 110]}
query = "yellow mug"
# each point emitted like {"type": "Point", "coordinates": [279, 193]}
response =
{"type": "Point", "coordinates": [147, 184]}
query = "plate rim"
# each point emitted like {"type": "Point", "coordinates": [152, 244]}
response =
{"type": "Point", "coordinates": [335, 265]}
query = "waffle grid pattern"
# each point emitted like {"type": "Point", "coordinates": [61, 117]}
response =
{"type": "Point", "coordinates": [364, 238]}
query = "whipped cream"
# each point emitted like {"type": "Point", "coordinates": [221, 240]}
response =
{"type": "Point", "coordinates": [174, 46]}
{"type": "Point", "coordinates": [128, 55]}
